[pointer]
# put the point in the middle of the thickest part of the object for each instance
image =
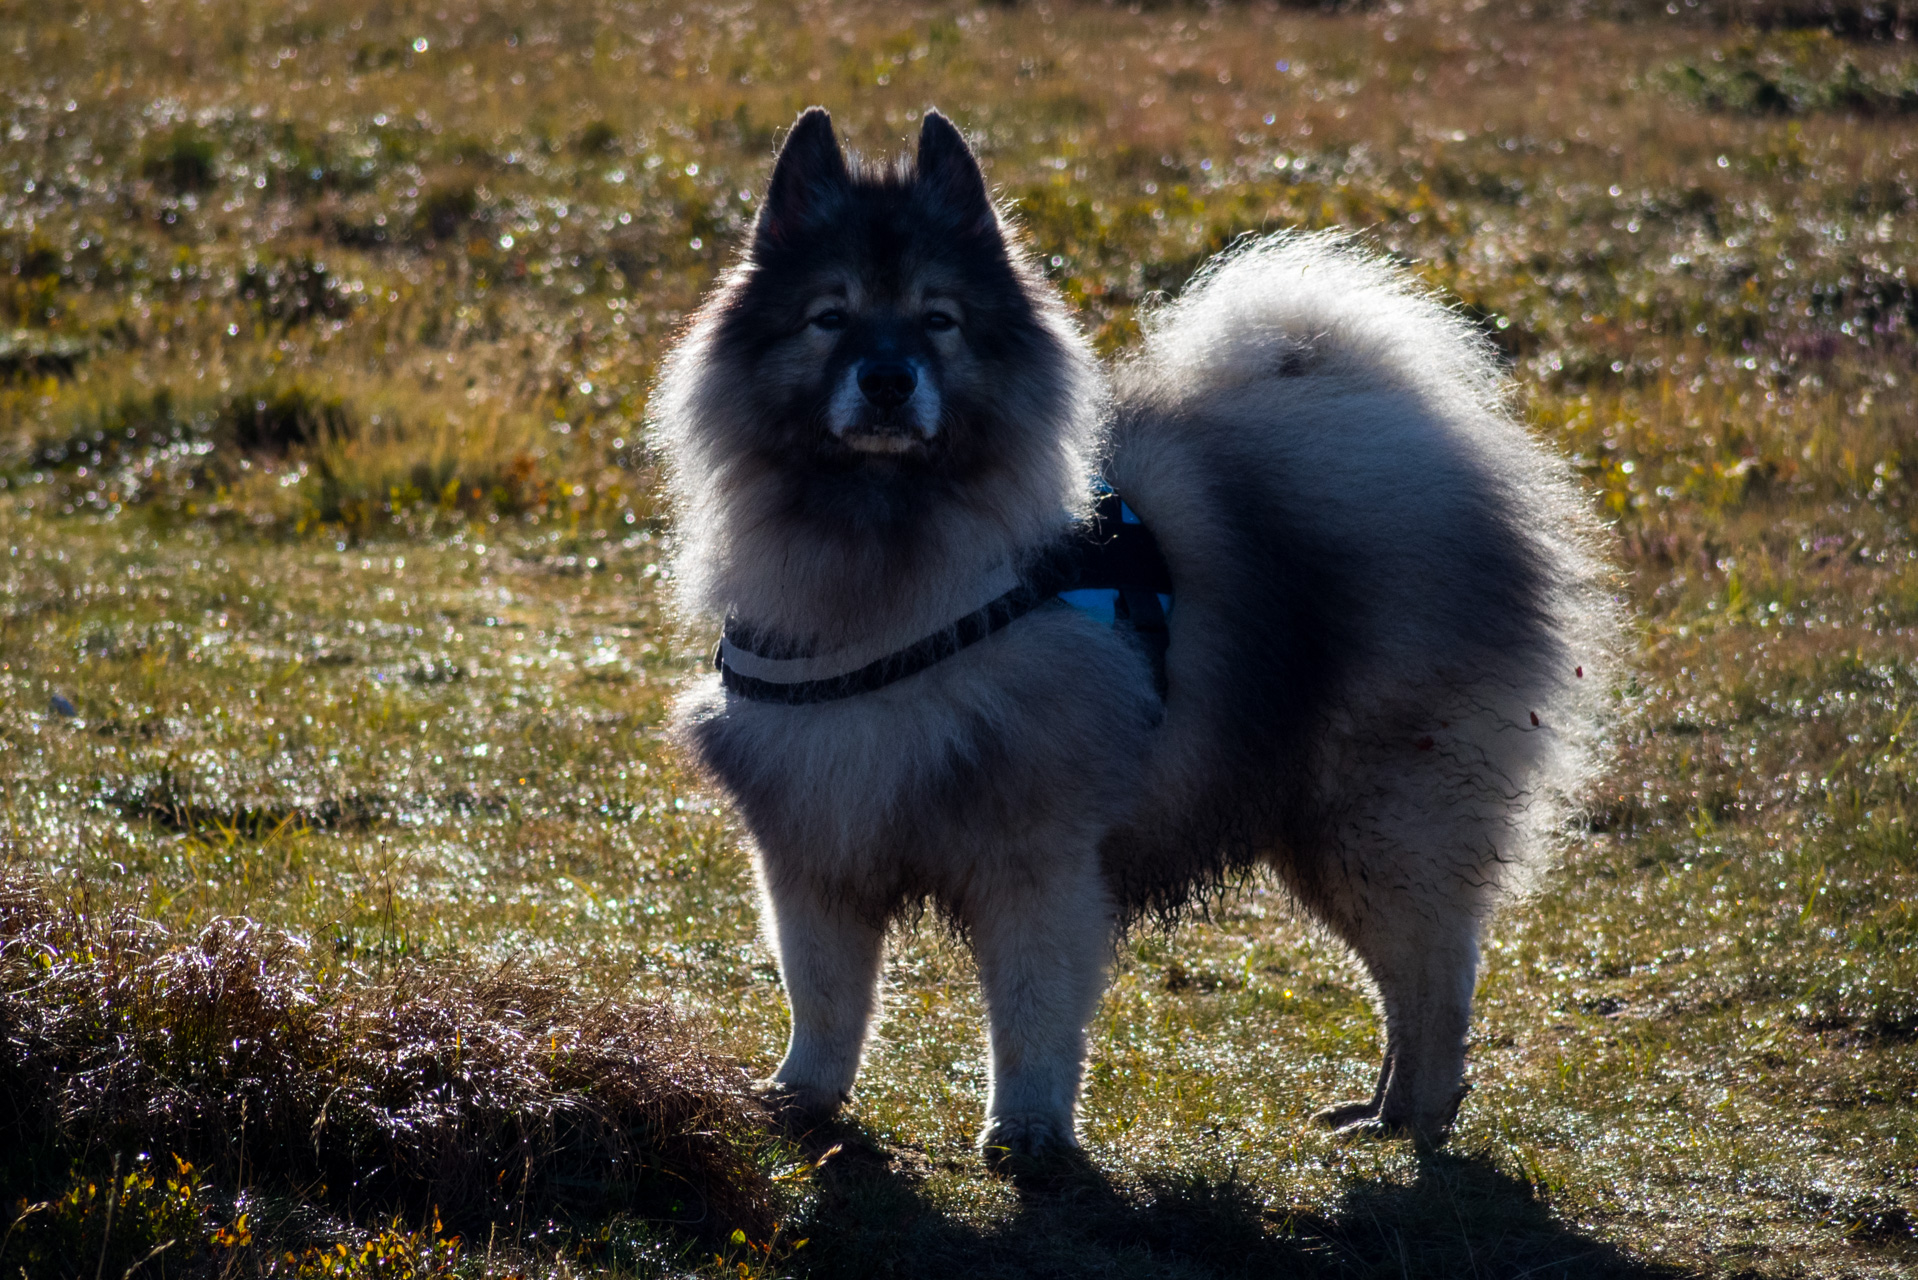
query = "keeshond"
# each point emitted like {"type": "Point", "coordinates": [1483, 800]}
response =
{"type": "Point", "coordinates": [1057, 648]}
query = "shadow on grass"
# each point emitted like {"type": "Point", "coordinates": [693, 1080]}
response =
{"type": "Point", "coordinates": [1461, 1217]}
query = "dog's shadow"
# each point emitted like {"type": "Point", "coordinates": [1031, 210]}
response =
{"type": "Point", "coordinates": [1460, 1217]}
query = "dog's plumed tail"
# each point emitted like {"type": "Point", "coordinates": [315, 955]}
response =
{"type": "Point", "coordinates": [1393, 634]}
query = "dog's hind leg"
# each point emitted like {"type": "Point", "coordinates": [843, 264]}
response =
{"type": "Point", "coordinates": [1042, 948]}
{"type": "Point", "coordinates": [1413, 920]}
{"type": "Point", "coordinates": [830, 955]}
{"type": "Point", "coordinates": [1424, 964]}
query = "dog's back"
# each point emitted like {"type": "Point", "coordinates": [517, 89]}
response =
{"type": "Point", "coordinates": [1388, 595]}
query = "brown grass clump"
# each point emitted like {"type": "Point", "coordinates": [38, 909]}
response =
{"type": "Point", "coordinates": [502, 1102]}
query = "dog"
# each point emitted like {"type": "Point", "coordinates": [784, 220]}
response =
{"type": "Point", "coordinates": [1357, 625]}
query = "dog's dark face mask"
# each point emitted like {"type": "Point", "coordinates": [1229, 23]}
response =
{"type": "Point", "coordinates": [890, 342]}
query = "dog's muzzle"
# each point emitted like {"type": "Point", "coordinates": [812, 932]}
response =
{"type": "Point", "coordinates": [885, 406]}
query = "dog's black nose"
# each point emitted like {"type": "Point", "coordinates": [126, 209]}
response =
{"type": "Point", "coordinates": [887, 384]}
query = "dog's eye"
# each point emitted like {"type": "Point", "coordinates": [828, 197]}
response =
{"type": "Point", "coordinates": [829, 320]}
{"type": "Point", "coordinates": [940, 321]}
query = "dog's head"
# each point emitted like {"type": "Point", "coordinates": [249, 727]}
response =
{"type": "Point", "coordinates": [882, 322]}
{"type": "Point", "coordinates": [879, 297]}
{"type": "Point", "coordinates": [882, 368]}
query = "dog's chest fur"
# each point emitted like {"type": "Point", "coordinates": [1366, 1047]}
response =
{"type": "Point", "coordinates": [1034, 735]}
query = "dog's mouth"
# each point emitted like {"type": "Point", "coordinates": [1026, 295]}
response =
{"type": "Point", "coordinates": [884, 435]}
{"type": "Point", "coordinates": [883, 443]}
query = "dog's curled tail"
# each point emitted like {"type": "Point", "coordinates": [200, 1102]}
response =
{"type": "Point", "coordinates": [1284, 304]}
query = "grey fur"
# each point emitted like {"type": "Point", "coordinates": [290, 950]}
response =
{"type": "Point", "coordinates": [1390, 646]}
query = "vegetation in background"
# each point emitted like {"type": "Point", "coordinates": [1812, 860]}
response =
{"type": "Point", "coordinates": [328, 620]}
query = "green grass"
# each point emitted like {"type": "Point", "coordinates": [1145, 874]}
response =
{"type": "Point", "coordinates": [325, 336]}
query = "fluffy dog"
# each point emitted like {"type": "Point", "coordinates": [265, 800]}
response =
{"type": "Point", "coordinates": [1382, 665]}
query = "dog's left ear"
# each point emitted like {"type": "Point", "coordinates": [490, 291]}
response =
{"type": "Point", "coordinates": [949, 173]}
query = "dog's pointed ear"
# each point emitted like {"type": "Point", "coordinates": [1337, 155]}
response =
{"type": "Point", "coordinates": [948, 171]}
{"type": "Point", "coordinates": [809, 180]}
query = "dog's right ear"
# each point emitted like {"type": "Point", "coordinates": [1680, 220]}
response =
{"type": "Point", "coordinates": [809, 180]}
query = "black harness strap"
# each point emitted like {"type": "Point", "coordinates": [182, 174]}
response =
{"type": "Point", "coordinates": [1109, 552]}
{"type": "Point", "coordinates": [909, 661]}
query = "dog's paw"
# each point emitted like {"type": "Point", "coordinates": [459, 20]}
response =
{"type": "Point", "coordinates": [1363, 1121]}
{"type": "Point", "coordinates": [1429, 1127]}
{"type": "Point", "coordinates": [1024, 1144]}
{"type": "Point", "coordinates": [1349, 1117]}
{"type": "Point", "coordinates": [797, 1107]}
{"type": "Point", "coordinates": [1383, 1119]}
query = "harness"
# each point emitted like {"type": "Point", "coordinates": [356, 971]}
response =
{"type": "Point", "coordinates": [1110, 567]}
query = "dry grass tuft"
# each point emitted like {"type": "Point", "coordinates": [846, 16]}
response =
{"type": "Point", "coordinates": [498, 1101]}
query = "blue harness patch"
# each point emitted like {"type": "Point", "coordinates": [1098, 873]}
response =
{"type": "Point", "coordinates": [1144, 569]}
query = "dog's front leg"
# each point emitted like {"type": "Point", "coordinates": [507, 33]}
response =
{"type": "Point", "coordinates": [829, 958]}
{"type": "Point", "coordinates": [1042, 943]}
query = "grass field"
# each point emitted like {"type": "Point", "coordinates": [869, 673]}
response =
{"type": "Point", "coordinates": [328, 601]}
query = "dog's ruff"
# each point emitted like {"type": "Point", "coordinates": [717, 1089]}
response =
{"type": "Point", "coordinates": [1387, 666]}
